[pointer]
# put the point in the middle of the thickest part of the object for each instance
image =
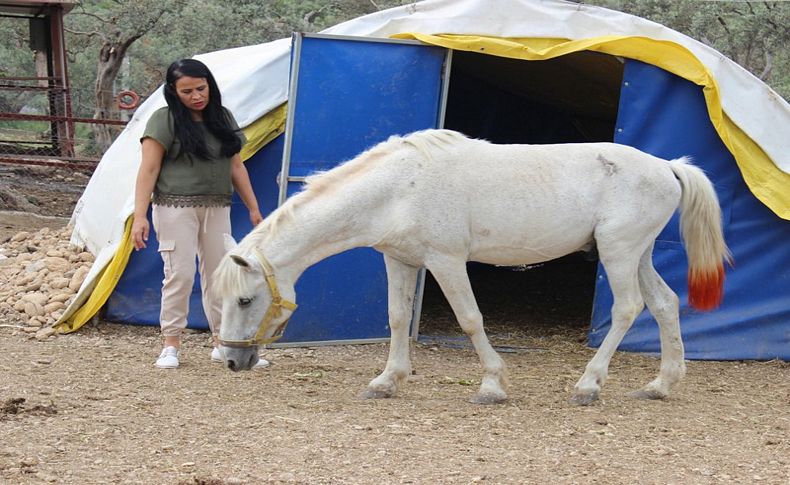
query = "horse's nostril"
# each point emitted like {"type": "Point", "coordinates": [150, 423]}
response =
{"type": "Point", "coordinates": [231, 364]}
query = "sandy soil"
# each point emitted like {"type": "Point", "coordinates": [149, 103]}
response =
{"type": "Point", "coordinates": [91, 408]}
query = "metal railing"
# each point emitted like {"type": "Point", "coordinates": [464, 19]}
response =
{"type": "Point", "coordinates": [37, 126]}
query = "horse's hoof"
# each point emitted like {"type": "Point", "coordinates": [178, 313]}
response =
{"type": "Point", "coordinates": [652, 394]}
{"type": "Point", "coordinates": [374, 394]}
{"type": "Point", "coordinates": [488, 398]}
{"type": "Point", "coordinates": [584, 399]}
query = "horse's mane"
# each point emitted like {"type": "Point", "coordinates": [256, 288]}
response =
{"type": "Point", "coordinates": [229, 277]}
{"type": "Point", "coordinates": [316, 184]}
{"type": "Point", "coordinates": [429, 141]}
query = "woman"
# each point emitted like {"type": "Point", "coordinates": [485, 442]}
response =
{"type": "Point", "coordinates": [190, 165]}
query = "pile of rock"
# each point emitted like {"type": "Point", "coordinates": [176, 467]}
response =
{"type": "Point", "coordinates": [39, 275]}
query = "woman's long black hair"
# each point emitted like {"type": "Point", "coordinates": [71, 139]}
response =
{"type": "Point", "coordinates": [187, 130]}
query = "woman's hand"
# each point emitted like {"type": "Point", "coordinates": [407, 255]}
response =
{"type": "Point", "coordinates": [140, 228]}
{"type": "Point", "coordinates": [255, 217]}
{"type": "Point", "coordinates": [153, 152]}
{"type": "Point", "coordinates": [241, 182]}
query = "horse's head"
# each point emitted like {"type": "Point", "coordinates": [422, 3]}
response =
{"type": "Point", "coordinates": [255, 309]}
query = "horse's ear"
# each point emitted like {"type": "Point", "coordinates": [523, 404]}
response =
{"type": "Point", "coordinates": [240, 261]}
{"type": "Point", "coordinates": [230, 243]}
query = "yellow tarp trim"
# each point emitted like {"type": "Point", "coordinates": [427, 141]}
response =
{"type": "Point", "coordinates": [765, 180]}
{"type": "Point", "coordinates": [258, 134]}
{"type": "Point", "coordinates": [107, 280]}
{"type": "Point", "coordinates": [265, 129]}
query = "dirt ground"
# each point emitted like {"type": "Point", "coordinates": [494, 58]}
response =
{"type": "Point", "coordinates": [91, 408]}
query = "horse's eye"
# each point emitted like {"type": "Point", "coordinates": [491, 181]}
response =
{"type": "Point", "coordinates": [244, 301]}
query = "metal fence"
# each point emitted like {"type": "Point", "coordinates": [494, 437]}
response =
{"type": "Point", "coordinates": [37, 126]}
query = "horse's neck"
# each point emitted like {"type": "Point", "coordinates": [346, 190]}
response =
{"type": "Point", "coordinates": [320, 228]}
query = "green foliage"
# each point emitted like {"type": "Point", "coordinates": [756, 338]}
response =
{"type": "Point", "coordinates": [16, 60]}
{"type": "Point", "coordinates": [755, 34]}
{"type": "Point", "coordinates": [188, 28]}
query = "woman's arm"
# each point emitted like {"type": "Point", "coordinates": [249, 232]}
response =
{"type": "Point", "coordinates": [153, 153]}
{"type": "Point", "coordinates": [241, 182]}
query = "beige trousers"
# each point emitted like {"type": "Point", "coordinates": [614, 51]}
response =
{"type": "Point", "coordinates": [183, 233]}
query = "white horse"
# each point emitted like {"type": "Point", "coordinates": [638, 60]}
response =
{"type": "Point", "coordinates": [437, 199]}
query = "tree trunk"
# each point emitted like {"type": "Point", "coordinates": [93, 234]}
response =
{"type": "Point", "coordinates": [111, 57]}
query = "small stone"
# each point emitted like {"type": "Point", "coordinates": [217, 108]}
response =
{"type": "Point", "coordinates": [58, 283]}
{"type": "Point", "coordinates": [34, 322]}
{"type": "Point", "coordinates": [45, 333]}
{"type": "Point", "coordinates": [35, 286]}
{"type": "Point", "coordinates": [56, 264]}
{"type": "Point", "coordinates": [51, 307]}
{"type": "Point", "coordinates": [61, 296]}
{"type": "Point", "coordinates": [20, 236]}
{"type": "Point", "coordinates": [26, 279]}
{"type": "Point", "coordinates": [78, 278]}
{"type": "Point", "coordinates": [33, 309]}
{"type": "Point", "coordinates": [38, 298]}
{"type": "Point", "coordinates": [35, 267]}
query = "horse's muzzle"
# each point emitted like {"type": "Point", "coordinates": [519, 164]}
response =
{"type": "Point", "coordinates": [237, 359]}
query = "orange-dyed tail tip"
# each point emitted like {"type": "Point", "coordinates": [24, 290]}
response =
{"type": "Point", "coordinates": [706, 289]}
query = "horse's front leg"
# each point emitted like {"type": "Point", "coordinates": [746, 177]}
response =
{"type": "Point", "coordinates": [454, 281]}
{"type": "Point", "coordinates": [401, 284]}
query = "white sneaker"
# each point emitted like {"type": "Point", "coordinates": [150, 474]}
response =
{"type": "Point", "coordinates": [168, 359]}
{"type": "Point", "coordinates": [216, 356]}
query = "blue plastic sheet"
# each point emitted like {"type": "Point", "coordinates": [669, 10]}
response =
{"type": "Point", "coordinates": [664, 115]}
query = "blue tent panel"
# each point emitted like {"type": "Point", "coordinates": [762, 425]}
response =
{"type": "Point", "coordinates": [350, 95]}
{"type": "Point", "coordinates": [665, 115]}
{"type": "Point", "coordinates": [353, 94]}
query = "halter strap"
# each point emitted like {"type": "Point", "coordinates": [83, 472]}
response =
{"type": "Point", "coordinates": [274, 310]}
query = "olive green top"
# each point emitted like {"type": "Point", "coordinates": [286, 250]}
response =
{"type": "Point", "coordinates": [186, 180]}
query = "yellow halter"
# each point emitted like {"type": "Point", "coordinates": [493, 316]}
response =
{"type": "Point", "coordinates": [274, 311]}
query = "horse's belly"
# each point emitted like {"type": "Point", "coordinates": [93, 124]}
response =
{"type": "Point", "coordinates": [521, 235]}
{"type": "Point", "coordinates": [525, 252]}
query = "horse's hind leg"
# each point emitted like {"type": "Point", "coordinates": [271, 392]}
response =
{"type": "Point", "coordinates": [454, 282]}
{"type": "Point", "coordinates": [401, 285]}
{"type": "Point", "coordinates": [663, 304]}
{"type": "Point", "coordinates": [622, 273]}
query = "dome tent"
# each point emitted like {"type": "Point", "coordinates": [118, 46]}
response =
{"type": "Point", "coordinates": [593, 75]}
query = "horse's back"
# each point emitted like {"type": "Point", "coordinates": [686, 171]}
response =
{"type": "Point", "coordinates": [503, 203]}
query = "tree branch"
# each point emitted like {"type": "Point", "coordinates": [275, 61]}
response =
{"type": "Point", "coordinates": [76, 32]}
{"type": "Point", "coordinates": [723, 24]}
{"type": "Point", "coordinates": [309, 16]}
{"type": "Point", "coordinates": [93, 15]}
{"type": "Point", "coordinates": [769, 65]}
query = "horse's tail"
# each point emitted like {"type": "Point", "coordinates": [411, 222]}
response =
{"type": "Point", "coordinates": [700, 226]}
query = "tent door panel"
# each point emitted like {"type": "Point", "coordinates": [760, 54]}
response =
{"type": "Point", "coordinates": [346, 95]}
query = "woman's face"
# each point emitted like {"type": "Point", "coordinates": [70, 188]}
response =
{"type": "Point", "coordinates": [193, 93]}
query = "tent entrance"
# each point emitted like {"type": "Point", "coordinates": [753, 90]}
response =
{"type": "Point", "coordinates": [569, 99]}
